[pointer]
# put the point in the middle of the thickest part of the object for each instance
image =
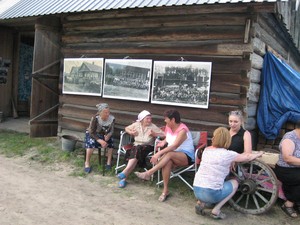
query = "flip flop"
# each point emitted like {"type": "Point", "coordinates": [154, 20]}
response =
{"type": "Point", "coordinates": [121, 176]}
{"type": "Point", "coordinates": [163, 197]}
{"type": "Point", "coordinates": [87, 169]}
{"type": "Point", "coordinates": [122, 183]}
{"type": "Point", "coordinates": [220, 216]}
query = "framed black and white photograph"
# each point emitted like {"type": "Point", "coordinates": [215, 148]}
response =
{"type": "Point", "coordinates": [83, 76]}
{"type": "Point", "coordinates": [181, 83]}
{"type": "Point", "coordinates": [127, 79]}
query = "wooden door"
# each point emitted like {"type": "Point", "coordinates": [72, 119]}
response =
{"type": "Point", "coordinates": [45, 78]}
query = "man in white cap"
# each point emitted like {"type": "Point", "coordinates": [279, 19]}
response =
{"type": "Point", "coordinates": [144, 132]}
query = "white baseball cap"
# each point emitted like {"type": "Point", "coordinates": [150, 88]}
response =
{"type": "Point", "coordinates": [142, 115]}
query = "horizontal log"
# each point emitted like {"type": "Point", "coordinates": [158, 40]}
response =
{"type": "Point", "coordinates": [254, 91]}
{"type": "Point", "coordinates": [257, 61]}
{"type": "Point", "coordinates": [254, 75]}
{"type": "Point", "coordinates": [175, 10]}
{"type": "Point", "coordinates": [152, 36]}
{"type": "Point", "coordinates": [179, 50]}
{"type": "Point", "coordinates": [164, 22]}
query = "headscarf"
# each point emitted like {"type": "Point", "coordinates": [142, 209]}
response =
{"type": "Point", "coordinates": [142, 115]}
{"type": "Point", "coordinates": [102, 106]}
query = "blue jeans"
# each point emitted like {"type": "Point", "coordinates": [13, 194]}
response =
{"type": "Point", "coordinates": [208, 195]}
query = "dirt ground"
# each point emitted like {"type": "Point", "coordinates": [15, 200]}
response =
{"type": "Point", "coordinates": [35, 194]}
{"type": "Point", "coordinates": [31, 194]}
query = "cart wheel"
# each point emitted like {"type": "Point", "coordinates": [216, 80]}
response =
{"type": "Point", "coordinates": [258, 188]}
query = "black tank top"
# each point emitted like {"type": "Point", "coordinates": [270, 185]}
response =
{"type": "Point", "coordinates": [237, 141]}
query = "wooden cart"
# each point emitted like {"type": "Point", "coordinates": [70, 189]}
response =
{"type": "Point", "coordinates": [259, 187]}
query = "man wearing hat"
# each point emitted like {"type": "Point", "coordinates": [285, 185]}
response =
{"type": "Point", "coordinates": [144, 133]}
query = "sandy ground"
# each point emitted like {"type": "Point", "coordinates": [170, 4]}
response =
{"type": "Point", "coordinates": [35, 194]}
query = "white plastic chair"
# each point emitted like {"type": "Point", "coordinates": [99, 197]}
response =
{"type": "Point", "coordinates": [126, 143]}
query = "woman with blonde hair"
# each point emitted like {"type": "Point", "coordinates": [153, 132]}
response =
{"type": "Point", "coordinates": [210, 186]}
{"type": "Point", "coordinates": [241, 140]}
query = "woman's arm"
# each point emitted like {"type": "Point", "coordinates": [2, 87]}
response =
{"type": "Point", "coordinates": [181, 137]}
{"type": "Point", "coordinates": [247, 142]}
{"type": "Point", "coordinates": [288, 148]}
{"type": "Point", "coordinates": [246, 157]}
{"type": "Point", "coordinates": [131, 130]}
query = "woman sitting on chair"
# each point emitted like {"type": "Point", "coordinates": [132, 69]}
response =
{"type": "Point", "coordinates": [99, 134]}
{"type": "Point", "coordinates": [144, 133]}
{"type": "Point", "coordinates": [179, 150]}
{"type": "Point", "coordinates": [287, 170]}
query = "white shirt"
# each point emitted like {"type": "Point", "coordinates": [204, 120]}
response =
{"type": "Point", "coordinates": [214, 167]}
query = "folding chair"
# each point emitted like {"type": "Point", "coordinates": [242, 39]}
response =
{"type": "Point", "coordinates": [126, 143]}
{"type": "Point", "coordinates": [199, 141]}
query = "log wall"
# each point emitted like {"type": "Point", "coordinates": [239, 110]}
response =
{"type": "Point", "coordinates": [264, 38]}
{"type": "Point", "coordinates": [194, 33]}
{"type": "Point", "coordinates": [226, 36]}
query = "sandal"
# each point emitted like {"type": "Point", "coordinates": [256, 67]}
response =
{"type": "Point", "coordinates": [163, 197]}
{"type": "Point", "coordinates": [88, 169]}
{"type": "Point", "coordinates": [121, 176]}
{"type": "Point", "coordinates": [220, 216]}
{"type": "Point", "coordinates": [142, 176]}
{"type": "Point", "coordinates": [290, 211]}
{"type": "Point", "coordinates": [122, 183]}
{"type": "Point", "coordinates": [199, 209]}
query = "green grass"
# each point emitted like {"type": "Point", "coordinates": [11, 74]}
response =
{"type": "Point", "coordinates": [42, 150]}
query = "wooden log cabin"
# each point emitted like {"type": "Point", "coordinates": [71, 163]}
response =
{"type": "Point", "coordinates": [233, 35]}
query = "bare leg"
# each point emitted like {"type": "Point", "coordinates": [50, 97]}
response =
{"type": "Point", "coordinates": [89, 152]}
{"type": "Point", "coordinates": [166, 171]}
{"type": "Point", "coordinates": [178, 159]}
{"type": "Point", "coordinates": [216, 210]}
{"type": "Point", "coordinates": [130, 167]}
{"type": "Point", "coordinates": [109, 156]}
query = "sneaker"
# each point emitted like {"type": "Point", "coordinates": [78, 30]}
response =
{"type": "Point", "coordinates": [108, 167]}
{"type": "Point", "coordinates": [220, 216]}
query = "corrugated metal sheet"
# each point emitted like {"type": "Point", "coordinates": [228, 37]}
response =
{"type": "Point", "coordinates": [28, 8]}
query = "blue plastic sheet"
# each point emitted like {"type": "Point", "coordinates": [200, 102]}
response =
{"type": "Point", "coordinates": [279, 96]}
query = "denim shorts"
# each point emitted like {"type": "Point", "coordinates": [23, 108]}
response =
{"type": "Point", "coordinates": [92, 143]}
{"type": "Point", "coordinates": [208, 195]}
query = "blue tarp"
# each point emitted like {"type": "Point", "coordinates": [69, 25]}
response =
{"type": "Point", "coordinates": [279, 96]}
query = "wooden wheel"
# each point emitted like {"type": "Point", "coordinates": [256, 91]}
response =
{"type": "Point", "coordinates": [258, 188]}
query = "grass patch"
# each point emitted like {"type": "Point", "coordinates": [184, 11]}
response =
{"type": "Point", "coordinates": [43, 150]}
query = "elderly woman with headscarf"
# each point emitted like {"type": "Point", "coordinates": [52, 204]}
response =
{"type": "Point", "coordinates": [99, 134]}
{"type": "Point", "coordinates": [144, 133]}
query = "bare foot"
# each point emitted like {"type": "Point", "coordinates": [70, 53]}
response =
{"type": "Point", "coordinates": [142, 176]}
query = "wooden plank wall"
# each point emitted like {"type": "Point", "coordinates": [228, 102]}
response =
{"type": "Point", "coordinates": [196, 33]}
{"type": "Point", "coordinates": [265, 37]}
{"type": "Point", "coordinates": [6, 52]}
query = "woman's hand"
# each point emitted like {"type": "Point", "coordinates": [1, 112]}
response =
{"type": "Point", "coordinates": [102, 143]}
{"type": "Point", "coordinates": [106, 137]}
{"type": "Point", "coordinates": [154, 159]}
{"type": "Point", "coordinates": [160, 144]}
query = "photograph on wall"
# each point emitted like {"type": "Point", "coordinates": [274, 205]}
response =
{"type": "Point", "coordinates": [127, 79]}
{"type": "Point", "coordinates": [181, 83]}
{"type": "Point", "coordinates": [83, 76]}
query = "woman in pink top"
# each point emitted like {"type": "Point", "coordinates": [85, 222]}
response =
{"type": "Point", "coordinates": [179, 150]}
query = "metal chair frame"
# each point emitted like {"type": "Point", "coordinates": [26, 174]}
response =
{"type": "Point", "coordinates": [199, 141]}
